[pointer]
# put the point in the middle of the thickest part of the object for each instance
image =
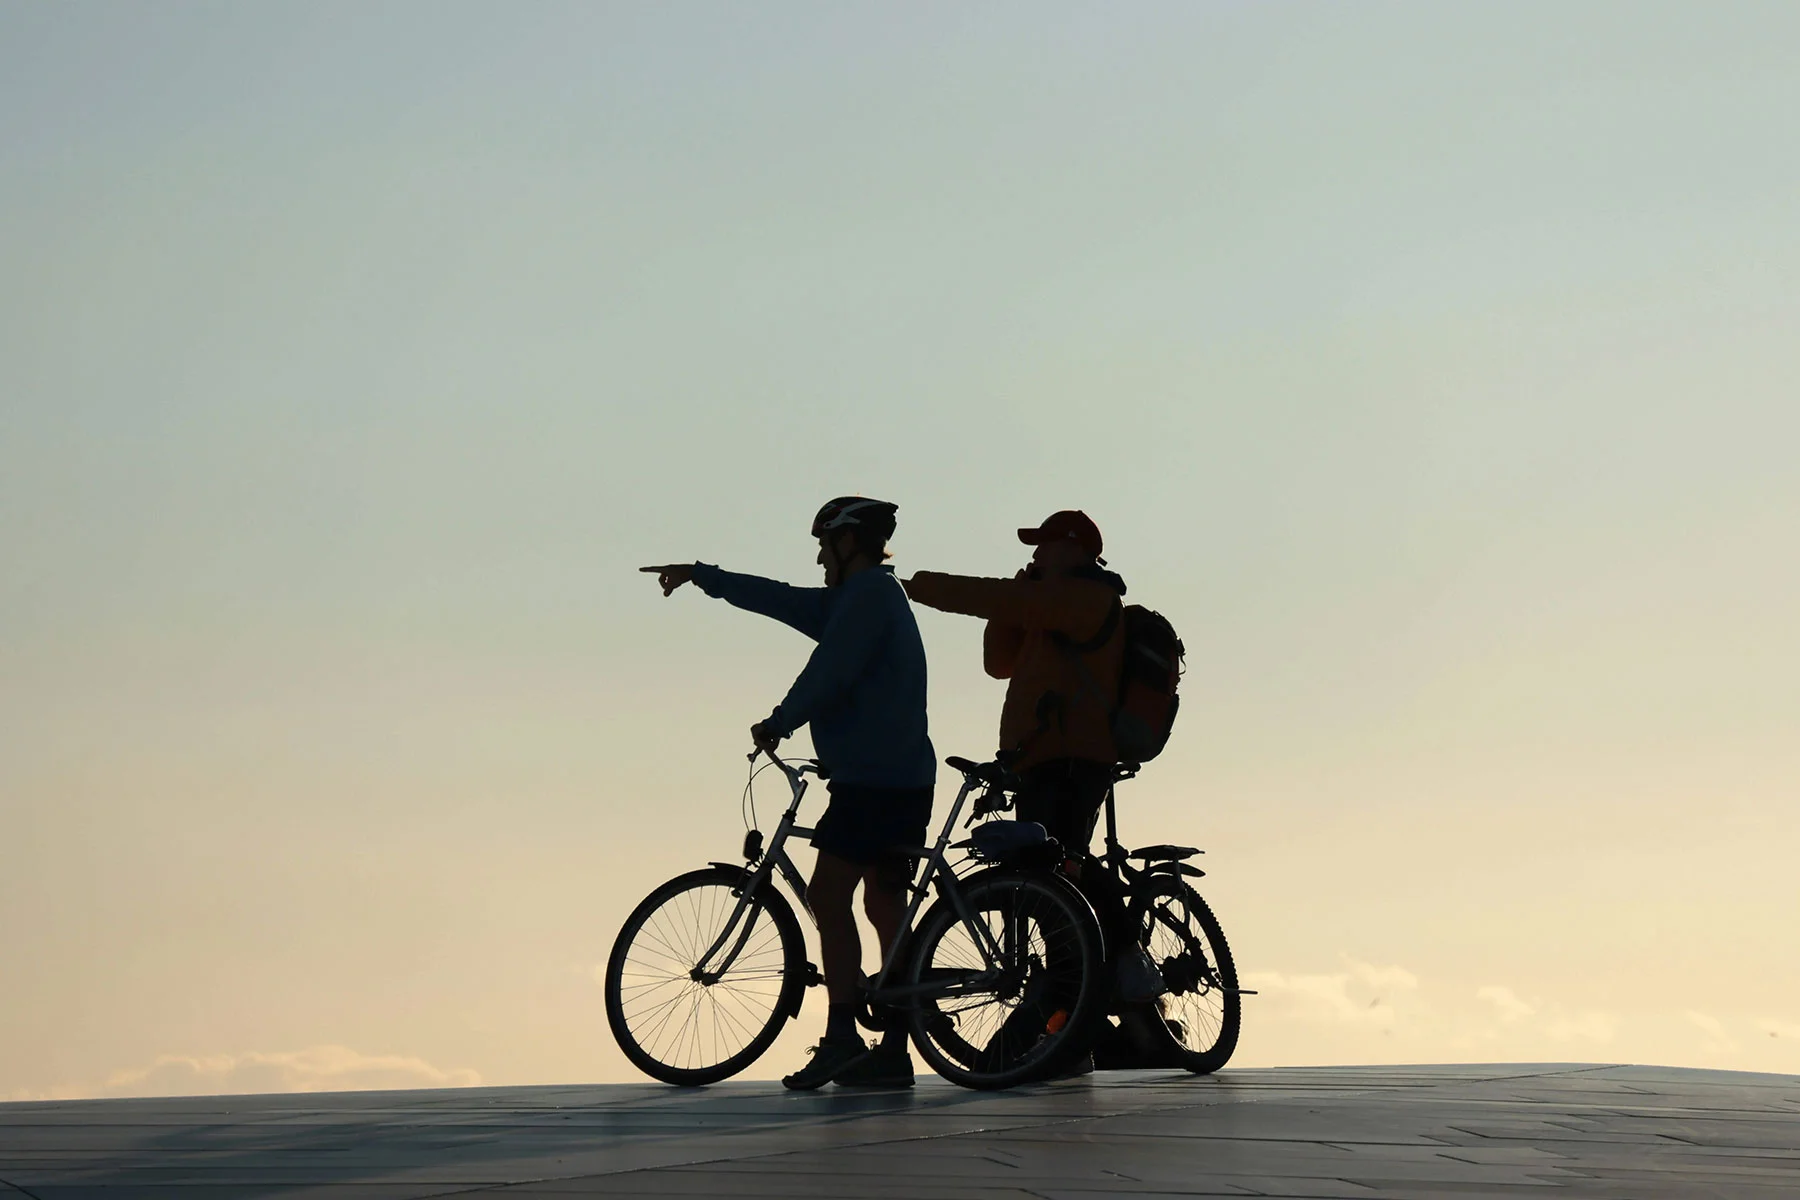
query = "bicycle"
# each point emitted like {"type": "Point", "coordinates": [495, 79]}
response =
{"type": "Point", "coordinates": [992, 981]}
{"type": "Point", "coordinates": [1195, 1022]}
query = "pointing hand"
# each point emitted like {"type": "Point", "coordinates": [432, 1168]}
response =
{"type": "Point", "coordinates": [671, 576]}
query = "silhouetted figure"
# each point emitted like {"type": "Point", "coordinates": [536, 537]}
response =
{"type": "Point", "coordinates": [863, 693]}
{"type": "Point", "coordinates": [1055, 724]}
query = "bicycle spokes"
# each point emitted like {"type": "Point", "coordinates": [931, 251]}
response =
{"type": "Point", "coordinates": [1187, 969]}
{"type": "Point", "coordinates": [1200, 1013]}
{"type": "Point", "coordinates": [684, 1016]}
{"type": "Point", "coordinates": [993, 1011]}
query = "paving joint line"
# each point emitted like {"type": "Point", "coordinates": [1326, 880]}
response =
{"type": "Point", "coordinates": [877, 1141]}
{"type": "Point", "coordinates": [29, 1195]}
{"type": "Point", "coordinates": [931, 1137]}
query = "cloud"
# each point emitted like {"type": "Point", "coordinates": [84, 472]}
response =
{"type": "Point", "coordinates": [1362, 994]}
{"type": "Point", "coordinates": [1511, 1009]}
{"type": "Point", "coordinates": [1717, 1039]}
{"type": "Point", "coordinates": [315, 1069]}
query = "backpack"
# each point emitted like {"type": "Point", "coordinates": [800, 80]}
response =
{"type": "Point", "coordinates": [1143, 711]}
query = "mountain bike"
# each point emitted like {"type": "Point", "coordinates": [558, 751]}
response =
{"type": "Point", "coordinates": [992, 981]}
{"type": "Point", "coordinates": [1195, 1021]}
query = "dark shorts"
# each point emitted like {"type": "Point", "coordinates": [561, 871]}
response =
{"type": "Point", "coordinates": [870, 826]}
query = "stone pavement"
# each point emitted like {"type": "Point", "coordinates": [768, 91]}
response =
{"type": "Point", "coordinates": [1612, 1132]}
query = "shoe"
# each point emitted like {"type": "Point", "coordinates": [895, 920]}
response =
{"type": "Point", "coordinates": [1022, 1030]}
{"type": "Point", "coordinates": [1112, 1048]}
{"type": "Point", "coordinates": [881, 1068]}
{"type": "Point", "coordinates": [1137, 1044]}
{"type": "Point", "coordinates": [1081, 1066]}
{"type": "Point", "coordinates": [829, 1058]}
{"type": "Point", "coordinates": [1177, 1028]}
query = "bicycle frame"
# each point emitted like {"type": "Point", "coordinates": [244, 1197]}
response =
{"type": "Point", "coordinates": [772, 859]}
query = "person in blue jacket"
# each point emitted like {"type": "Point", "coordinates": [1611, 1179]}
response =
{"type": "Point", "coordinates": [863, 693]}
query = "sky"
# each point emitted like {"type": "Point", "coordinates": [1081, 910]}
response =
{"type": "Point", "coordinates": [1431, 367]}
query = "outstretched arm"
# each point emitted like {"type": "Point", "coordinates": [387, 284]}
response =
{"type": "Point", "coordinates": [804, 609]}
{"type": "Point", "coordinates": [1068, 606]}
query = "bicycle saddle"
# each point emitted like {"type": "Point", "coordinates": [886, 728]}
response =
{"type": "Point", "coordinates": [1165, 853]}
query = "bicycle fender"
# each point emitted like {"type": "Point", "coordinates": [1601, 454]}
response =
{"type": "Point", "coordinates": [1175, 868]}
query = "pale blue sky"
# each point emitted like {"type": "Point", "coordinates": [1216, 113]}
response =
{"type": "Point", "coordinates": [1431, 366]}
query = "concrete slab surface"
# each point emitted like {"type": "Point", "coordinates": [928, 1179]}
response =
{"type": "Point", "coordinates": [1607, 1132]}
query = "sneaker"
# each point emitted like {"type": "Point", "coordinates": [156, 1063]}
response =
{"type": "Point", "coordinates": [1081, 1066]}
{"type": "Point", "coordinates": [881, 1068]}
{"type": "Point", "coordinates": [1177, 1028]}
{"type": "Point", "coordinates": [1138, 1043]}
{"type": "Point", "coordinates": [830, 1057]}
{"type": "Point", "coordinates": [1022, 1029]}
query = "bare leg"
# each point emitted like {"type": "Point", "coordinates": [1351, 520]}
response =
{"type": "Point", "coordinates": [828, 895]}
{"type": "Point", "coordinates": [884, 903]}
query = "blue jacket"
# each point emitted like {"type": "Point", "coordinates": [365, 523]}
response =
{"type": "Point", "coordinates": [863, 689]}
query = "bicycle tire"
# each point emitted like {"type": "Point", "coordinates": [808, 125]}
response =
{"type": "Point", "coordinates": [1195, 1025]}
{"type": "Point", "coordinates": [1056, 991]}
{"type": "Point", "coordinates": [673, 926]}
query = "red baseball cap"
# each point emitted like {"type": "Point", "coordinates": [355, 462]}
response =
{"type": "Point", "coordinates": [1070, 523]}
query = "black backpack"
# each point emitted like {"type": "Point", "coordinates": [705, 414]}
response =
{"type": "Point", "coordinates": [1148, 679]}
{"type": "Point", "coordinates": [1142, 711]}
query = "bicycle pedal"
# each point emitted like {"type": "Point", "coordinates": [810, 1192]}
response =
{"type": "Point", "coordinates": [812, 976]}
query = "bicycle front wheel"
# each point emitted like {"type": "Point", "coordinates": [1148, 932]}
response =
{"type": "Point", "coordinates": [999, 1001]}
{"type": "Point", "coordinates": [684, 1025]}
{"type": "Point", "coordinates": [1196, 1022]}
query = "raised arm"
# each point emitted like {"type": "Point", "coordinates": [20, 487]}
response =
{"type": "Point", "coordinates": [1069, 606]}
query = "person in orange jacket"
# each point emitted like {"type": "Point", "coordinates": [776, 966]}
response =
{"type": "Point", "coordinates": [1056, 722]}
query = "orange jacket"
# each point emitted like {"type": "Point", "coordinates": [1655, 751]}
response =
{"type": "Point", "coordinates": [1048, 712]}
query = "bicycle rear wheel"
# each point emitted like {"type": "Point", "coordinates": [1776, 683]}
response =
{"type": "Point", "coordinates": [1196, 1022]}
{"type": "Point", "coordinates": [993, 1024]}
{"type": "Point", "coordinates": [674, 1023]}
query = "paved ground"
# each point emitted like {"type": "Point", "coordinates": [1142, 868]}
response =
{"type": "Point", "coordinates": [1404, 1132]}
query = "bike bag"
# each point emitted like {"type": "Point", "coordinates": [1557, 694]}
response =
{"type": "Point", "coordinates": [1016, 843]}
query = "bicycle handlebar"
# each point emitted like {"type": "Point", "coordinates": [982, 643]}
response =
{"type": "Point", "coordinates": [792, 770]}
